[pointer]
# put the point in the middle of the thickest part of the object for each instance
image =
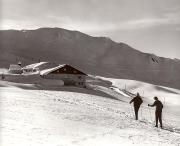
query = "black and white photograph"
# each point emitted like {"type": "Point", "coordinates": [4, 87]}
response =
{"type": "Point", "coordinates": [89, 72]}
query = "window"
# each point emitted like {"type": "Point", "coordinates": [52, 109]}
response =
{"type": "Point", "coordinates": [80, 83]}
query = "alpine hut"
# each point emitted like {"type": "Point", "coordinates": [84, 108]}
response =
{"type": "Point", "coordinates": [68, 74]}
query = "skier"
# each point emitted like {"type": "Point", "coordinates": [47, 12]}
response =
{"type": "Point", "coordinates": [158, 112]}
{"type": "Point", "coordinates": [137, 103]}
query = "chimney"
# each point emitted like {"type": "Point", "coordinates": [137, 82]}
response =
{"type": "Point", "coordinates": [19, 63]}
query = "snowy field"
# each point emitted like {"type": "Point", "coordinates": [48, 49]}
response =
{"type": "Point", "coordinates": [70, 116]}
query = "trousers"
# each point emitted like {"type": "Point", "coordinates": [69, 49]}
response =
{"type": "Point", "coordinates": [136, 109]}
{"type": "Point", "coordinates": [158, 116]}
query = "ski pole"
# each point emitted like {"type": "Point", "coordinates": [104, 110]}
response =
{"type": "Point", "coordinates": [132, 111]}
{"type": "Point", "coordinates": [163, 117]}
{"type": "Point", "coordinates": [141, 113]}
{"type": "Point", "coordinates": [150, 114]}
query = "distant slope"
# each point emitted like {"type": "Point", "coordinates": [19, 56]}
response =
{"type": "Point", "coordinates": [93, 55]}
{"type": "Point", "coordinates": [165, 94]}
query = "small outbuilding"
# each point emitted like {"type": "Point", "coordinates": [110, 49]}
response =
{"type": "Point", "coordinates": [68, 74]}
{"type": "Point", "coordinates": [15, 69]}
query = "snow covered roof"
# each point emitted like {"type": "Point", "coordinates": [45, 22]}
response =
{"type": "Point", "coordinates": [14, 67]}
{"type": "Point", "coordinates": [35, 65]}
{"type": "Point", "coordinates": [47, 71]}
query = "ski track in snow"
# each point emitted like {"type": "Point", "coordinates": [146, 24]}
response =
{"type": "Point", "coordinates": [62, 118]}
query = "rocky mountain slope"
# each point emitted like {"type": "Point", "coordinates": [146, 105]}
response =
{"type": "Point", "coordinates": [93, 55]}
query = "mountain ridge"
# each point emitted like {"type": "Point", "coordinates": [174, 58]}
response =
{"type": "Point", "coordinates": [94, 55]}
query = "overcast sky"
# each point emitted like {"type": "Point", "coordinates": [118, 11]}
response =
{"type": "Point", "coordinates": [148, 25]}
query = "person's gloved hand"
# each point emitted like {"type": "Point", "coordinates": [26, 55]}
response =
{"type": "Point", "coordinates": [148, 104]}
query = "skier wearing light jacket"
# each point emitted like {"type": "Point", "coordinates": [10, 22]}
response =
{"type": "Point", "coordinates": [158, 112]}
{"type": "Point", "coordinates": [137, 103]}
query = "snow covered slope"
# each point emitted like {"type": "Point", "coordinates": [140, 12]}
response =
{"type": "Point", "coordinates": [71, 116]}
{"type": "Point", "coordinates": [170, 98]}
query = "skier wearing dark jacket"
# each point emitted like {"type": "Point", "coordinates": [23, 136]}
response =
{"type": "Point", "coordinates": [158, 112]}
{"type": "Point", "coordinates": [137, 103]}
